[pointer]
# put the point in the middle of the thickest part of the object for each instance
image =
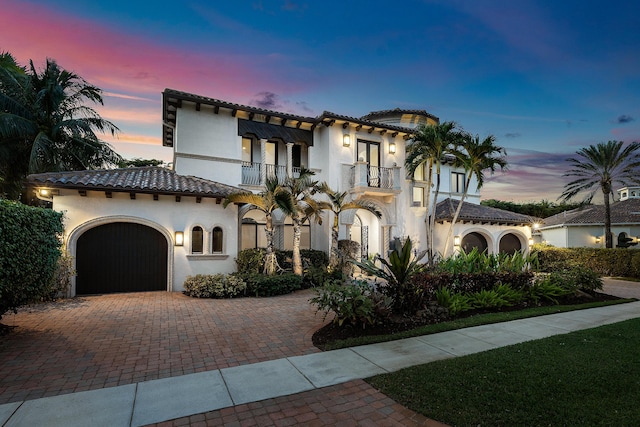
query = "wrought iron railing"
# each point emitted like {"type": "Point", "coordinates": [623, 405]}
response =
{"type": "Point", "coordinates": [380, 177]}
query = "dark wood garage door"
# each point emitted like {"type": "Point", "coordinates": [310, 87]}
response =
{"type": "Point", "coordinates": [121, 257]}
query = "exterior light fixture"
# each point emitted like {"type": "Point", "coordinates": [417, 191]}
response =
{"type": "Point", "coordinates": [530, 241]}
{"type": "Point", "coordinates": [179, 238]}
{"type": "Point", "coordinates": [392, 148]}
{"type": "Point", "coordinates": [346, 140]}
{"type": "Point", "coordinates": [456, 241]}
{"type": "Point", "coordinates": [597, 240]}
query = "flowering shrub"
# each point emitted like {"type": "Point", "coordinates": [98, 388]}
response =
{"type": "Point", "coordinates": [214, 286]}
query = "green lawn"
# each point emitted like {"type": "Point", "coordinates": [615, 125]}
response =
{"type": "Point", "coordinates": [585, 378]}
{"type": "Point", "coordinates": [466, 322]}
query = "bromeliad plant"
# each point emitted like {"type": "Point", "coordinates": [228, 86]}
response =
{"type": "Point", "coordinates": [397, 271]}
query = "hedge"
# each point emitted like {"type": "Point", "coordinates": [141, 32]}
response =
{"type": "Point", "coordinates": [617, 262]}
{"type": "Point", "coordinates": [30, 241]}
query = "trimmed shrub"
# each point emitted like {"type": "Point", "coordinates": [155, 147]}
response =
{"type": "Point", "coordinates": [619, 262]}
{"type": "Point", "coordinates": [30, 241]}
{"type": "Point", "coordinates": [261, 285]}
{"type": "Point", "coordinates": [250, 261]}
{"type": "Point", "coordinates": [214, 286]}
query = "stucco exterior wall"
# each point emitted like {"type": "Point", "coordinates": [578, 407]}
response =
{"type": "Point", "coordinates": [165, 215]}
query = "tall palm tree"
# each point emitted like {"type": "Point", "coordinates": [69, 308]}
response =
{"type": "Point", "coordinates": [45, 124]}
{"type": "Point", "coordinates": [304, 206]}
{"type": "Point", "coordinates": [337, 205]}
{"type": "Point", "coordinates": [599, 167]}
{"type": "Point", "coordinates": [430, 147]}
{"type": "Point", "coordinates": [271, 198]}
{"type": "Point", "coordinates": [475, 157]}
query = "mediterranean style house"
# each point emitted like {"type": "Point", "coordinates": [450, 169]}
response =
{"type": "Point", "coordinates": [584, 227]}
{"type": "Point", "coordinates": [149, 228]}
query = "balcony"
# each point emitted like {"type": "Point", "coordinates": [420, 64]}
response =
{"type": "Point", "coordinates": [374, 180]}
{"type": "Point", "coordinates": [252, 173]}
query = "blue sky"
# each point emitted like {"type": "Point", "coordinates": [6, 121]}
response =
{"type": "Point", "coordinates": [545, 77]}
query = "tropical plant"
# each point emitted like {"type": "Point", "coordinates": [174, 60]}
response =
{"type": "Point", "coordinates": [599, 167]}
{"type": "Point", "coordinates": [355, 304]}
{"type": "Point", "coordinates": [271, 198]}
{"type": "Point", "coordinates": [475, 157]}
{"type": "Point", "coordinates": [303, 208]}
{"type": "Point", "coordinates": [429, 149]}
{"type": "Point", "coordinates": [338, 204]}
{"type": "Point", "coordinates": [45, 124]}
{"type": "Point", "coordinates": [397, 272]}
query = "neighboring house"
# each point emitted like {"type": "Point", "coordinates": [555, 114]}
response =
{"type": "Point", "coordinates": [584, 227]}
{"type": "Point", "coordinates": [231, 147]}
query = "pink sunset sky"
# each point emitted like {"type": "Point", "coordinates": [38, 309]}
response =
{"type": "Point", "coordinates": [546, 79]}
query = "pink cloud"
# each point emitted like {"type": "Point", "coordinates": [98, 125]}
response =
{"type": "Point", "coordinates": [131, 65]}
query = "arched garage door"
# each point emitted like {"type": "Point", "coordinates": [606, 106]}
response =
{"type": "Point", "coordinates": [121, 257]}
{"type": "Point", "coordinates": [474, 240]}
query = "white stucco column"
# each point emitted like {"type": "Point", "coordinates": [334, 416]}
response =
{"type": "Point", "coordinates": [263, 161]}
{"type": "Point", "coordinates": [290, 159]}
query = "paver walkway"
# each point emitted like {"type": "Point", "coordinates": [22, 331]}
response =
{"type": "Point", "coordinates": [89, 343]}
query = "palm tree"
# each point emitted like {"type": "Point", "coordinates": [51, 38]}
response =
{"type": "Point", "coordinates": [337, 205]}
{"type": "Point", "coordinates": [430, 146]}
{"type": "Point", "coordinates": [271, 198]}
{"type": "Point", "coordinates": [475, 157]}
{"type": "Point", "coordinates": [46, 126]}
{"type": "Point", "coordinates": [304, 206]}
{"type": "Point", "coordinates": [599, 167]}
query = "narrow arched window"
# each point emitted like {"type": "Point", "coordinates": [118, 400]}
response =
{"type": "Point", "coordinates": [216, 240]}
{"type": "Point", "coordinates": [197, 237]}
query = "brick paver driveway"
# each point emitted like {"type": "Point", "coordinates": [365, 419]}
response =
{"type": "Point", "coordinates": [102, 341]}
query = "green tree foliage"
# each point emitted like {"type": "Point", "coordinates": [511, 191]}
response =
{"type": "Point", "coordinates": [600, 167]}
{"type": "Point", "coordinates": [45, 124]}
{"type": "Point", "coordinates": [271, 198]}
{"type": "Point", "coordinates": [430, 147]}
{"type": "Point", "coordinates": [30, 241]}
{"type": "Point", "coordinates": [541, 209]}
{"type": "Point", "coordinates": [137, 162]}
{"type": "Point", "coordinates": [475, 157]}
{"type": "Point", "coordinates": [338, 203]}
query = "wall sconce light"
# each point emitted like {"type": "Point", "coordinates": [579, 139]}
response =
{"type": "Point", "coordinates": [392, 148]}
{"type": "Point", "coordinates": [597, 240]}
{"type": "Point", "coordinates": [456, 240]}
{"type": "Point", "coordinates": [346, 140]}
{"type": "Point", "coordinates": [179, 238]}
{"type": "Point", "coordinates": [530, 241]}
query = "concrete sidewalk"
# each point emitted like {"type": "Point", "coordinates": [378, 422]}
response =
{"type": "Point", "coordinates": [165, 399]}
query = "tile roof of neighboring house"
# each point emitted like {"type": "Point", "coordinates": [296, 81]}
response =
{"type": "Point", "coordinates": [383, 113]}
{"type": "Point", "coordinates": [151, 180]}
{"type": "Point", "coordinates": [623, 212]}
{"type": "Point", "coordinates": [471, 212]}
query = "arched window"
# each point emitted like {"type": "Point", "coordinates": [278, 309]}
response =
{"type": "Point", "coordinates": [216, 240]}
{"type": "Point", "coordinates": [197, 238]}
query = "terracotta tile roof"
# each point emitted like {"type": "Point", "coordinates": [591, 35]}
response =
{"type": "Point", "coordinates": [383, 113]}
{"type": "Point", "coordinates": [152, 180]}
{"type": "Point", "coordinates": [623, 212]}
{"type": "Point", "coordinates": [172, 100]}
{"type": "Point", "coordinates": [471, 212]}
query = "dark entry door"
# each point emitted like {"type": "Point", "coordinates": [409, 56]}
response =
{"type": "Point", "coordinates": [121, 257]}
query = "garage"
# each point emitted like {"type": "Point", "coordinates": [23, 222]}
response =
{"type": "Point", "coordinates": [121, 257]}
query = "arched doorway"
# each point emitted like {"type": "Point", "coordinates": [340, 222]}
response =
{"type": "Point", "coordinates": [474, 240]}
{"type": "Point", "coordinates": [510, 243]}
{"type": "Point", "coordinates": [121, 257]}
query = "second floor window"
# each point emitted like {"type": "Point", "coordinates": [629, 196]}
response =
{"type": "Point", "coordinates": [457, 182]}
